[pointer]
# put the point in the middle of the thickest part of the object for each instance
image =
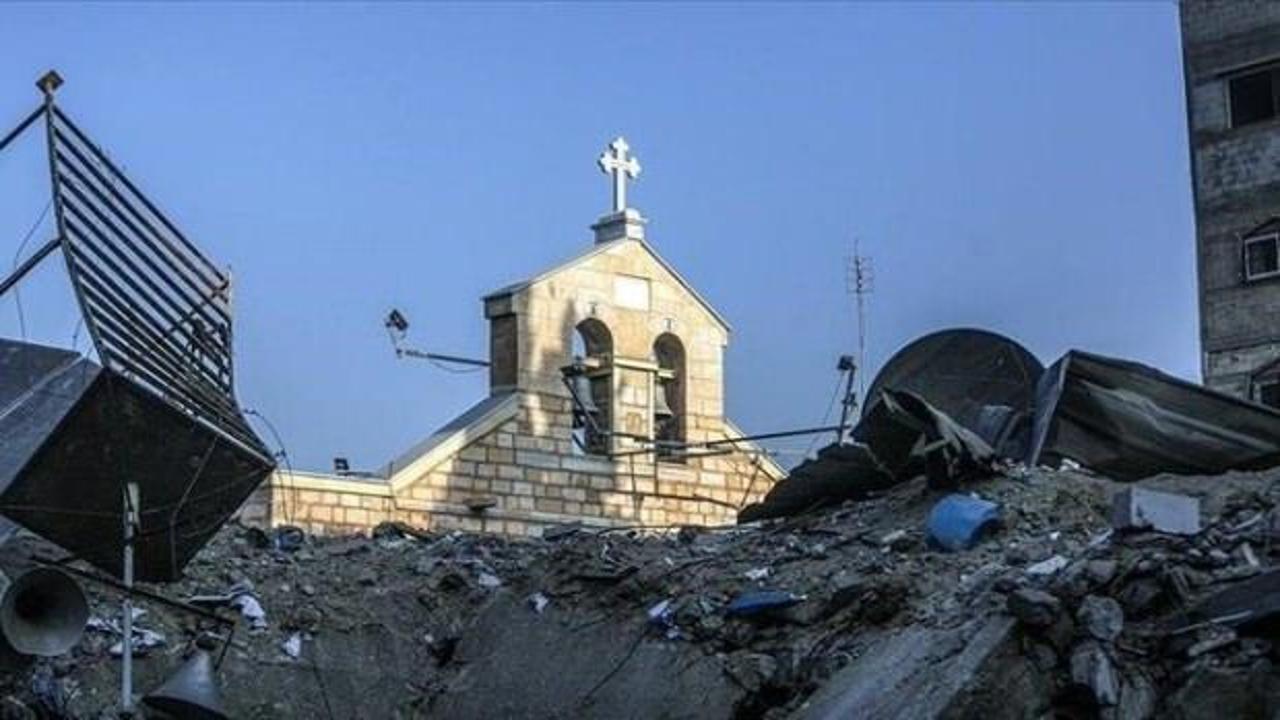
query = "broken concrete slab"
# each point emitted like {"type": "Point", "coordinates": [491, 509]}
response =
{"type": "Point", "coordinates": [1251, 603]}
{"type": "Point", "coordinates": [1033, 607]}
{"type": "Point", "coordinates": [1092, 667]}
{"type": "Point", "coordinates": [916, 672]}
{"type": "Point", "coordinates": [1140, 508]}
{"type": "Point", "coordinates": [518, 664]}
{"type": "Point", "coordinates": [1101, 617]}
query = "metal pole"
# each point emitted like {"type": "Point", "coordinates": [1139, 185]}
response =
{"type": "Point", "coordinates": [410, 352]}
{"type": "Point", "coordinates": [126, 622]}
{"type": "Point", "coordinates": [848, 366]}
{"type": "Point", "coordinates": [29, 264]}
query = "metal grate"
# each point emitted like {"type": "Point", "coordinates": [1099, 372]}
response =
{"type": "Point", "coordinates": [158, 310]}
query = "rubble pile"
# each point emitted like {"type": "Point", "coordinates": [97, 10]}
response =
{"type": "Point", "coordinates": [1085, 598]}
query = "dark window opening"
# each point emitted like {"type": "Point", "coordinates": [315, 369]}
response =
{"type": "Point", "coordinates": [1261, 257]}
{"type": "Point", "coordinates": [1269, 394]}
{"type": "Point", "coordinates": [592, 351]}
{"type": "Point", "coordinates": [1253, 96]}
{"type": "Point", "coordinates": [669, 398]}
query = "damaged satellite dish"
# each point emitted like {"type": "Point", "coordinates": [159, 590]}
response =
{"type": "Point", "coordinates": [984, 381]}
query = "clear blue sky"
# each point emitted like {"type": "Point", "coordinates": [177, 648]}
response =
{"type": "Point", "coordinates": [1020, 167]}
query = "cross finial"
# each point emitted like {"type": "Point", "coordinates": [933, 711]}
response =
{"type": "Point", "coordinates": [620, 166]}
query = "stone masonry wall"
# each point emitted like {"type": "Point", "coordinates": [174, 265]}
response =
{"type": "Point", "coordinates": [527, 467]}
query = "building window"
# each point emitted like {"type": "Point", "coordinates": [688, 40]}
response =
{"type": "Point", "coordinates": [1254, 96]}
{"type": "Point", "coordinates": [1268, 393]}
{"type": "Point", "coordinates": [668, 398]}
{"type": "Point", "coordinates": [1261, 257]}
{"type": "Point", "coordinates": [591, 379]}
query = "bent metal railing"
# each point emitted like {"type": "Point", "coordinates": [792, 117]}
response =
{"type": "Point", "coordinates": [158, 310]}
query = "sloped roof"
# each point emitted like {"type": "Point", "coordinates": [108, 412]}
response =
{"type": "Point", "coordinates": [450, 437]}
{"type": "Point", "coordinates": [604, 247]}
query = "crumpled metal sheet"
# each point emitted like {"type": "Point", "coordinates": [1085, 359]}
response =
{"type": "Point", "coordinates": [73, 438]}
{"type": "Point", "coordinates": [900, 438]}
{"type": "Point", "coordinates": [1129, 421]}
{"type": "Point", "coordinates": [982, 380]}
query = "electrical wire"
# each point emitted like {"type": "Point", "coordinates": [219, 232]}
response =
{"type": "Point", "coordinates": [17, 294]}
{"type": "Point", "coordinates": [831, 404]}
{"type": "Point", "coordinates": [282, 454]}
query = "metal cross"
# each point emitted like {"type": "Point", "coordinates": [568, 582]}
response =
{"type": "Point", "coordinates": [620, 166]}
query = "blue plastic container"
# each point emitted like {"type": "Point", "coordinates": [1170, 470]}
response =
{"type": "Point", "coordinates": [957, 522]}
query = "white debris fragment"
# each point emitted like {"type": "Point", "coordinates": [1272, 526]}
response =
{"type": "Point", "coordinates": [143, 640]}
{"type": "Point", "coordinates": [661, 612]}
{"type": "Point", "coordinates": [250, 609]}
{"type": "Point", "coordinates": [757, 574]}
{"type": "Point", "coordinates": [539, 601]}
{"type": "Point", "coordinates": [1047, 567]}
{"type": "Point", "coordinates": [489, 580]}
{"type": "Point", "coordinates": [292, 646]}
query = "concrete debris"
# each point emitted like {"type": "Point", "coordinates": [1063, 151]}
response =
{"type": "Point", "coordinates": [1051, 617]}
{"type": "Point", "coordinates": [1034, 608]}
{"type": "Point", "coordinates": [251, 609]}
{"type": "Point", "coordinates": [1101, 617]}
{"type": "Point", "coordinates": [292, 646]}
{"type": "Point", "coordinates": [1047, 567]}
{"type": "Point", "coordinates": [1092, 668]}
{"type": "Point", "coordinates": [1162, 512]}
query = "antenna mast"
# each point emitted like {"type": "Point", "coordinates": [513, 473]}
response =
{"type": "Point", "coordinates": [860, 282]}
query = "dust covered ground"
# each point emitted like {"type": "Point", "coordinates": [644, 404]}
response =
{"type": "Point", "coordinates": [1052, 615]}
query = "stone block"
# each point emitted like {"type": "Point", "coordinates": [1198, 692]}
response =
{"type": "Point", "coordinates": [510, 472]}
{"type": "Point", "coordinates": [474, 453]}
{"type": "Point", "coordinates": [501, 455]}
{"type": "Point", "coordinates": [1139, 508]}
{"type": "Point", "coordinates": [548, 505]}
{"type": "Point", "coordinates": [349, 501]}
{"type": "Point", "coordinates": [530, 458]}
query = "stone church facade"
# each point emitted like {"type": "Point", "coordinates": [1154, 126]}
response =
{"type": "Point", "coordinates": [605, 407]}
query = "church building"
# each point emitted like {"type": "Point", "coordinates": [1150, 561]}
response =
{"type": "Point", "coordinates": [605, 407]}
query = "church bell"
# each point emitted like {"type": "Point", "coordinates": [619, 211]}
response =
{"type": "Point", "coordinates": [660, 407]}
{"type": "Point", "coordinates": [191, 694]}
{"type": "Point", "coordinates": [586, 403]}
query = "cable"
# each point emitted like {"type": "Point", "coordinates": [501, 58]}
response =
{"type": "Point", "coordinates": [17, 294]}
{"type": "Point", "coordinates": [283, 455]}
{"type": "Point", "coordinates": [831, 404]}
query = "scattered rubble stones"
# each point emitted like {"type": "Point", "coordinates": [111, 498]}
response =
{"type": "Point", "coordinates": [1100, 617]}
{"type": "Point", "coordinates": [391, 626]}
{"type": "Point", "coordinates": [1035, 608]}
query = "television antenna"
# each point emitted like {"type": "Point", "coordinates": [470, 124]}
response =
{"type": "Point", "coordinates": [859, 282]}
